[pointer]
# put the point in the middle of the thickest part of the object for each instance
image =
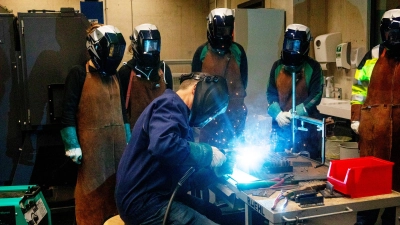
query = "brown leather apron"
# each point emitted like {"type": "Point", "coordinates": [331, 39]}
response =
{"type": "Point", "coordinates": [284, 87]}
{"type": "Point", "coordinates": [229, 125]}
{"type": "Point", "coordinates": [305, 140]}
{"type": "Point", "coordinates": [380, 115]}
{"type": "Point", "coordinates": [101, 135]}
{"type": "Point", "coordinates": [142, 92]}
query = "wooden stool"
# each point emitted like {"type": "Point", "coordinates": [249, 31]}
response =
{"type": "Point", "coordinates": [115, 220]}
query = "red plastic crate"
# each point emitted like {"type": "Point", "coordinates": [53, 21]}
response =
{"type": "Point", "coordinates": [360, 177]}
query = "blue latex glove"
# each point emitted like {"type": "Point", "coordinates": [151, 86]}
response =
{"type": "Point", "coordinates": [71, 144]}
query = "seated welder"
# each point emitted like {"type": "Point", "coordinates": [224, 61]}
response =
{"type": "Point", "coordinates": [162, 150]}
{"type": "Point", "coordinates": [295, 62]}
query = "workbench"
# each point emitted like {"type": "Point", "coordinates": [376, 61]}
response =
{"type": "Point", "coordinates": [332, 207]}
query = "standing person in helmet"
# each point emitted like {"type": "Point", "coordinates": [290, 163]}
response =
{"type": "Point", "coordinates": [95, 127]}
{"type": "Point", "coordinates": [144, 77]}
{"type": "Point", "coordinates": [364, 70]}
{"type": "Point", "coordinates": [309, 82]}
{"type": "Point", "coordinates": [163, 150]}
{"type": "Point", "coordinates": [379, 113]}
{"type": "Point", "coordinates": [224, 57]}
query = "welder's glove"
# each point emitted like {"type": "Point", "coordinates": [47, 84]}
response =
{"type": "Point", "coordinates": [224, 169]}
{"type": "Point", "coordinates": [218, 157]}
{"type": "Point", "coordinates": [75, 154]}
{"type": "Point", "coordinates": [71, 144]}
{"type": "Point", "coordinates": [127, 132]}
{"type": "Point", "coordinates": [354, 126]}
{"type": "Point", "coordinates": [300, 110]}
{"type": "Point", "coordinates": [283, 118]}
{"type": "Point", "coordinates": [227, 166]}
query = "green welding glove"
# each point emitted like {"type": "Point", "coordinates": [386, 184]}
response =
{"type": "Point", "coordinates": [300, 110]}
{"type": "Point", "coordinates": [127, 132]}
{"type": "Point", "coordinates": [71, 144]}
{"type": "Point", "coordinates": [274, 109]}
{"type": "Point", "coordinates": [201, 155]}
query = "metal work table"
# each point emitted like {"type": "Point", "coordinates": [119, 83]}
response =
{"type": "Point", "coordinates": [293, 212]}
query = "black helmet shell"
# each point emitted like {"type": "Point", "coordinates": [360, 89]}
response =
{"type": "Point", "coordinates": [211, 98]}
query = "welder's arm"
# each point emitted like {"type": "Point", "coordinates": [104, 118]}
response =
{"type": "Point", "coordinates": [281, 117]}
{"type": "Point", "coordinates": [71, 144]}
{"type": "Point", "coordinates": [300, 110]}
{"type": "Point", "coordinates": [72, 93]}
{"type": "Point", "coordinates": [204, 155]}
{"type": "Point", "coordinates": [315, 90]}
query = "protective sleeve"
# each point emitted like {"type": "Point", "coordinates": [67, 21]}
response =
{"type": "Point", "coordinates": [197, 61]}
{"type": "Point", "coordinates": [72, 94]}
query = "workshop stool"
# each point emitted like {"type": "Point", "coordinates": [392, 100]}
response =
{"type": "Point", "coordinates": [115, 220]}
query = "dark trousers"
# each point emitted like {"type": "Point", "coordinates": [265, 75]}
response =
{"type": "Point", "coordinates": [369, 217]}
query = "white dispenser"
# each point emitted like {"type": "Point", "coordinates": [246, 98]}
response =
{"type": "Point", "coordinates": [343, 55]}
{"type": "Point", "coordinates": [325, 48]}
{"type": "Point", "coordinates": [329, 87]}
{"type": "Point", "coordinates": [356, 56]}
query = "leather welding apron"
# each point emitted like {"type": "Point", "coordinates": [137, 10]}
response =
{"type": "Point", "coordinates": [143, 92]}
{"type": "Point", "coordinates": [229, 125]}
{"type": "Point", "coordinates": [101, 135]}
{"type": "Point", "coordinates": [305, 140]}
{"type": "Point", "coordinates": [380, 115]}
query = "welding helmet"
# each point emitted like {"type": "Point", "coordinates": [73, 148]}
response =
{"type": "Point", "coordinates": [211, 98]}
{"type": "Point", "coordinates": [386, 20]}
{"type": "Point", "coordinates": [392, 43]}
{"type": "Point", "coordinates": [106, 47]}
{"type": "Point", "coordinates": [296, 45]}
{"type": "Point", "coordinates": [220, 24]}
{"type": "Point", "coordinates": [146, 45]}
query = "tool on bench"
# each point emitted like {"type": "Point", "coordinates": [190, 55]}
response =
{"type": "Point", "coordinates": [282, 195]}
{"type": "Point", "coordinates": [305, 195]}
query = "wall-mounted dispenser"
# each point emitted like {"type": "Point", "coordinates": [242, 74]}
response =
{"type": "Point", "coordinates": [325, 48]}
{"type": "Point", "coordinates": [356, 56]}
{"type": "Point", "coordinates": [343, 55]}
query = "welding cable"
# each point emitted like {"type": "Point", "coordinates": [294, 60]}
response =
{"type": "Point", "coordinates": [180, 183]}
{"type": "Point", "coordinates": [278, 184]}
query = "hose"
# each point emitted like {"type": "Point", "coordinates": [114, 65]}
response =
{"type": "Point", "coordinates": [180, 183]}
